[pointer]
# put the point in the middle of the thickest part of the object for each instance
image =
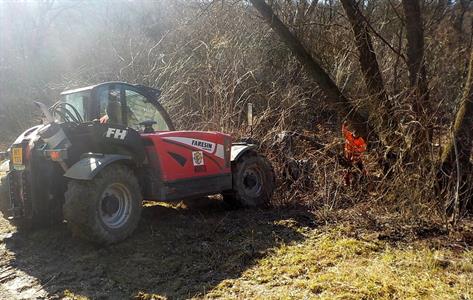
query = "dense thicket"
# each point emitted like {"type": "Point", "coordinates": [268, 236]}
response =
{"type": "Point", "coordinates": [401, 65]}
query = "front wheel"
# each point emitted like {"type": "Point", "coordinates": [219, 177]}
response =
{"type": "Point", "coordinates": [106, 209]}
{"type": "Point", "coordinates": [253, 182]}
{"type": "Point", "coordinates": [4, 196]}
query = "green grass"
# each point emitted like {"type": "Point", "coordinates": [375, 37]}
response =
{"type": "Point", "coordinates": [332, 265]}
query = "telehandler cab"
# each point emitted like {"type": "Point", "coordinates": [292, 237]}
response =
{"type": "Point", "coordinates": [102, 149]}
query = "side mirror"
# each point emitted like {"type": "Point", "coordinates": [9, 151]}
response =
{"type": "Point", "coordinates": [148, 124]}
{"type": "Point", "coordinates": [44, 109]}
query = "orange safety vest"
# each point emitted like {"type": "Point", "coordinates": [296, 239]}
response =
{"type": "Point", "coordinates": [354, 146]}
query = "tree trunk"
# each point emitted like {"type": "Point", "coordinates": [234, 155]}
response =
{"type": "Point", "coordinates": [379, 106]}
{"type": "Point", "coordinates": [462, 134]}
{"type": "Point", "coordinates": [415, 56]}
{"type": "Point", "coordinates": [457, 153]}
{"type": "Point", "coordinates": [335, 97]}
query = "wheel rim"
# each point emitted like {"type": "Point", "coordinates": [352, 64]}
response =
{"type": "Point", "coordinates": [252, 181]}
{"type": "Point", "coordinates": [115, 205]}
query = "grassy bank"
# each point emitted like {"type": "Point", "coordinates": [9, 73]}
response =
{"type": "Point", "coordinates": [332, 265]}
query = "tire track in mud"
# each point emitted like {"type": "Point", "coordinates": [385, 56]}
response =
{"type": "Point", "coordinates": [14, 283]}
{"type": "Point", "coordinates": [47, 263]}
{"type": "Point", "coordinates": [175, 253]}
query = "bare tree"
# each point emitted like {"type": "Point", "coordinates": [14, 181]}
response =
{"type": "Point", "coordinates": [415, 55]}
{"type": "Point", "coordinates": [461, 142]}
{"type": "Point", "coordinates": [334, 96]}
{"type": "Point", "coordinates": [379, 105]}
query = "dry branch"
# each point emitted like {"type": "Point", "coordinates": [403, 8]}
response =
{"type": "Point", "coordinates": [335, 97]}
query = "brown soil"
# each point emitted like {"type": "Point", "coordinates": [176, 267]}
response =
{"type": "Point", "coordinates": [176, 253]}
{"type": "Point", "coordinates": [204, 251]}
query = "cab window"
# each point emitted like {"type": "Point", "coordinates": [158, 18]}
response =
{"type": "Point", "coordinates": [78, 101]}
{"type": "Point", "coordinates": [110, 105]}
{"type": "Point", "coordinates": [139, 109]}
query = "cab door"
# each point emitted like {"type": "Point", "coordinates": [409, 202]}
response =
{"type": "Point", "coordinates": [139, 108]}
{"type": "Point", "coordinates": [135, 104]}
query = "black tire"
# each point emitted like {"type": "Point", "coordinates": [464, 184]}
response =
{"type": "Point", "coordinates": [106, 209]}
{"type": "Point", "coordinates": [20, 224]}
{"type": "Point", "coordinates": [4, 197]}
{"type": "Point", "coordinates": [253, 182]}
{"type": "Point", "coordinates": [46, 212]}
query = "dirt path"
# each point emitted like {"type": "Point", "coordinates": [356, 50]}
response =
{"type": "Point", "coordinates": [208, 252]}
{"type": "Point", "coordinates": [15, 283]}
{"type": "Point", "coordinates": [176, 253]}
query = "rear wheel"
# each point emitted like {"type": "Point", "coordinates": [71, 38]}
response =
{"type": "Point", "coordinates": [106, 209]}
{"type": "Point", "coordinates": [253, 182]}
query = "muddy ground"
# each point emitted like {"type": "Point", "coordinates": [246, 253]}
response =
{"type": "Point", "coordinates": [176, 252]}
{"type": "Point", "coordinates": [206, 251]}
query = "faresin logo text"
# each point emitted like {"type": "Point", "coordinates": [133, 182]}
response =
{"type": "Point", "coordinates": [202, 145]}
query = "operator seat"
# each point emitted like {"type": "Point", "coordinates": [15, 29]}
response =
{"type": "Point", "coordinates": [114, 110]}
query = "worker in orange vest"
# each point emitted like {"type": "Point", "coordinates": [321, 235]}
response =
{"type": "Point", "coordinates": [354, 149]}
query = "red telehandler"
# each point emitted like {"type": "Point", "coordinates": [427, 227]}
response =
{"type": "Point", "coordinates": [102, 149]}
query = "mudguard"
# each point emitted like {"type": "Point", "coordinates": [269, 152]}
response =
{"type": "Point", "coordinates": [88, 167]}
{"type": "Point", "coordinates": [240, 149]}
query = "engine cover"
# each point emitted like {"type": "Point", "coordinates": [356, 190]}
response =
{"type": "Point", "coordinates": [188, 154]}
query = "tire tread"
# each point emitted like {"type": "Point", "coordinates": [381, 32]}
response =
{"type": "Point", "coordinates": [79, 207]}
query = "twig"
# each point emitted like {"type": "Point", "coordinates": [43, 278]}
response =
{"type": "Point", "coordinates": [399, 54]}
{"type": "Point", "coordinates": [6, 277]}
{"type": "Point", "coordinates": [46, 283]}
{"type": "Point", "coordinates": [457, 187]}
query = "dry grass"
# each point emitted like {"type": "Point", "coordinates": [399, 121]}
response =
{"type": "Point", "coordinates": [348, 261]}
{"type": "Point", "coordinates": [207, 252]}
{"type": "Point", "coordinates": [331, 265]}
